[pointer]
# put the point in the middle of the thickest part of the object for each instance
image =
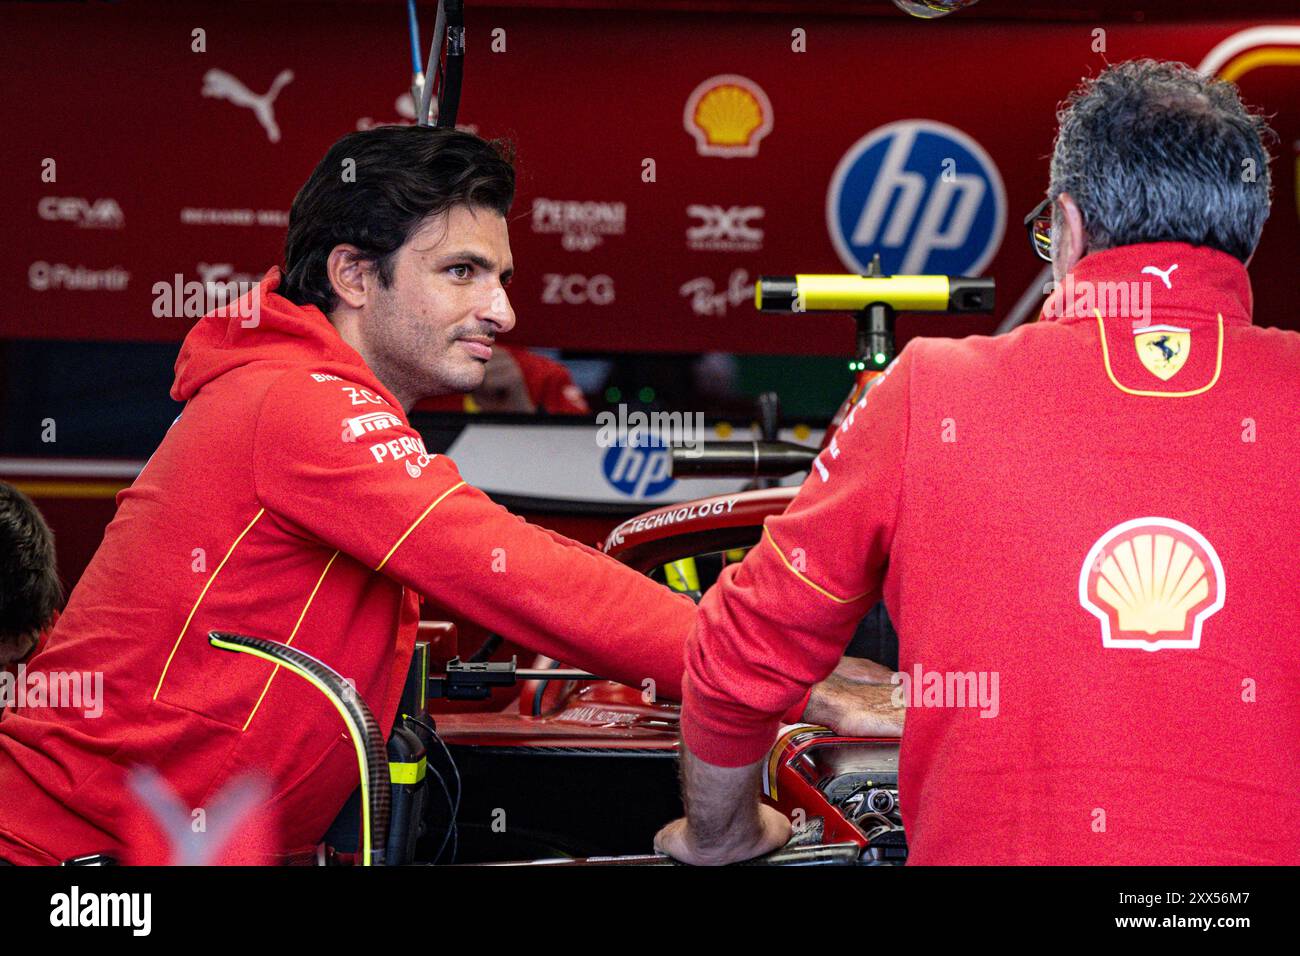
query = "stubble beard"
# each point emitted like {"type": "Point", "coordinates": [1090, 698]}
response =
{"type": "Point", "coordinates": [433, 365]}
{"type": "Point", "coordinates": [416, 361]}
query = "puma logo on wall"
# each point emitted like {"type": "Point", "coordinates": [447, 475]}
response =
{"type": "Point", "coordinates": [221, 85]}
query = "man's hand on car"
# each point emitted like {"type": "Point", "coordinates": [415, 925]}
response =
{"type": "Point", "coordinates": [856, 700]}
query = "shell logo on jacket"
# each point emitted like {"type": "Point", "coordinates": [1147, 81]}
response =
{"type": "Point", "coordinates": [1152, 582]}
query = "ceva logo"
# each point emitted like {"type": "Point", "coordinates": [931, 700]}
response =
{"type": "Point", "coordinates": [101, 214]}
{"type": "Point", "coordinates": [639, 468]}
{"type": "Point", "coordinates": [922, 194]}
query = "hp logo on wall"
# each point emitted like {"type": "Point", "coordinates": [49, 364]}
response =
{"type": "Point", "coordinates": [639, 468]}
{"type": "Point", "coordinates": [924, 195]}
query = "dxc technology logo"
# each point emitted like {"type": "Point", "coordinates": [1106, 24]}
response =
{"type": "Point", "coordinates": [639, 468]}
{"type": "Point", "coordinates": [923, 194]}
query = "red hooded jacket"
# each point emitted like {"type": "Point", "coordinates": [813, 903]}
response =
{"type": "Point", "coordinates": [291, 500]}
{"type": "Point", "coordinates": [1086, 534]}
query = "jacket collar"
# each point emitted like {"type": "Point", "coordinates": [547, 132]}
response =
{"type": "Point", "coordinates": [1171, 280]}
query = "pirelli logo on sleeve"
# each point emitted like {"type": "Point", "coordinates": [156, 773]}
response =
{"type": "Point", "coordinates": [362, 425]}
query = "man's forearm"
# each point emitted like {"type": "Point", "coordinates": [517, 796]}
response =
{"type": "Point", "coordinates": [721, 802]}
{"type": "Point", "coordinates": [549, 594]}
{"type": "Point", "coordinates": [855, 709]}
{"type": "Point", "coordinates": [725, 823]}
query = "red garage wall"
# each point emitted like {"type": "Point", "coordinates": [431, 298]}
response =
{"type": "Point", "coordinates": [113, 94]}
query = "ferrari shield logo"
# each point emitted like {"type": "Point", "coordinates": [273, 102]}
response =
{"type": "Point", "coordinates": [1163, 349]}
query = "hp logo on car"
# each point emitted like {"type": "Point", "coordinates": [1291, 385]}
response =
{"type": "Point", "coordinates": [639, 470]}
{"type": "Point", "coordinates": [922, 194]}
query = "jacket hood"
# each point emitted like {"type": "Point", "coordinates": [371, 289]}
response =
{"type": "Point", "coordinates": [262, 326]}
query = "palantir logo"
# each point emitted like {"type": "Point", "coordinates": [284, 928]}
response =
{"type": "Point", "coordinates": [639, 468]}
{"type": "Point", "coordinates": [922, 194]}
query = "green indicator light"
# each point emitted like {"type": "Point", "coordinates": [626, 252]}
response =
{"type": "Point", "coordinates": [880, 358]}
{"type": "Point", "coordinates": [613, 395]}
{"type": "Point", "coordinates": [647, 395]}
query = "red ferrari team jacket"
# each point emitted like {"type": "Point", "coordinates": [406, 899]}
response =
{"type": "Point", "coordinates": [291, 500]}
{"type": "Point", "coordinates": [1086, 533]}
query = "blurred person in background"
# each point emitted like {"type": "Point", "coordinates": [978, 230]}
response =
{"type": "Point", "coordinates": [518, 381]}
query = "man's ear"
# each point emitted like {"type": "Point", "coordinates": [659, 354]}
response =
{"type": "Point", "coordinates": [1075, 244]}
{"type": "Point", "coordinates": [351, 274]}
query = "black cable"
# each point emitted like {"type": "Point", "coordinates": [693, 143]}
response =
{"type": "Point", "coordinates": [450, 82]}
{"type": "Point", "coordinates": [451, 762]}
{"type": "Point", "coordinates": [542, 684]}
{"type": "Point", "coordinates": [451, 820]}
{"type": "Point", "coordinates": [453, 827]}
{"type": "Point", "coordinates": [433, 67]}
{"type": "Point", "coordinates": [486, 650]}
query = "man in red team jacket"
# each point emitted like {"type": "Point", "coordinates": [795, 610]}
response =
{"type": "Point", "coordinates": [292, 500]}
{"type": "Point", "coordinates": [1085, 532]}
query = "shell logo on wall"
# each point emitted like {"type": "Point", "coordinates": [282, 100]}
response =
{"type": "Point", "coordinates": [728, 115]}
{"type": "Point", "coordinates": [1152, 582]}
